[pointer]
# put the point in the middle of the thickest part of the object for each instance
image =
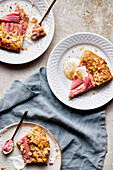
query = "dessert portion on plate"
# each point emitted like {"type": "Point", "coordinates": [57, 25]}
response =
{"type": "Point", "coordinates": [92, 71]}
{"type": "Point", "coordinates": [12, 29]}
{"type": "Point", "coordinates": [35, 146]}
{"type": "Point", "coordinates": [37, 30]}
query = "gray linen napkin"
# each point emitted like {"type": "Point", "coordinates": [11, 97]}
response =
{"type": "Point", "coordinates": [81, 134]}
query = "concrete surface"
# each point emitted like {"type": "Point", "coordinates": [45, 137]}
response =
{"type": "Point", "coordinates": [71, 16]}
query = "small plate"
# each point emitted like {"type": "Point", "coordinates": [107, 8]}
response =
{"type": "Point", "coordinates": [7, 132]}
{"type": "Point", "coordinates": [73, 47]}
{"type": "Point", "coordinates": [37, 48]}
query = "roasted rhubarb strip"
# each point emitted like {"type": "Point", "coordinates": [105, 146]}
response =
{"type": "Point", "coordinates": [7, 27]}
{"type": "Point", "coordinates": [16, 13]}
{"type": "Point", "coordinates": [79, 86]}
{"type": "Point", "coordinates": [76, 91]}
{"type": "Point", "coordinates": [20, 29]}
{"type": "Point", "coordinates": [11, 27]}
{"type": "Point", "coordinates": [25, 149]}
{"type": "Point", "coordinates": [88, 83]}
{"type": "Point", "coordinates": [24, 19]}
{"type": "Point", "coordinates": [77, 82]}
{"type": "Point", "coordinates": [10, 19]}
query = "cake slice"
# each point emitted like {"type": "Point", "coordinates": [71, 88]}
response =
{"type": "Point", "coordinates": [12, 29]}
{"type": "Point", "coordinates": [37, 29]}
{"type": "Point", "coordinates": [92, 71]}
{"type": "Point", "coordinates": [37, 32]}
{"type": "Point", "coordinates": [35, 146]}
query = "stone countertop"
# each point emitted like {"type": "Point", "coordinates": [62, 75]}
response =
{"type": "Point", "coordinates": [71, 16]}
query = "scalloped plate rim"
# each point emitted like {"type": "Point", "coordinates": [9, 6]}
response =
{"type": "Point", "coordinates": [48, 77]}
{"type": "Point", "coordinates": [37, 56]}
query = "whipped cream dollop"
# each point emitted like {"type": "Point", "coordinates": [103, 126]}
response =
{"type": "Point", "coordinates": [81, 72]}
{"type": "Point", "coordinates": [70, 66]}
{"type": "Point", "coordinates": [18, 162]}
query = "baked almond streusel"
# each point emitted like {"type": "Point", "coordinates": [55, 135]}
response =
{"type": "Point", "coordinates": [12, 29]}
{"type": "Point", "coordinates": [35, 146]}
{"type": "Point", "coordinates": [97, 66]}
{"type": "Point", "coordinates": [92, 71]}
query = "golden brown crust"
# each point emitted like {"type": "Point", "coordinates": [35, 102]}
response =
{"type": "Point", "coordinates": [39, 145]}
{"type": "Point", "coordinates": [11, 41]}
{"type": "Point", "coordinates": [97, 67]}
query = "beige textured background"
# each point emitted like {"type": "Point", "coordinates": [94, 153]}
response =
{"type": "Point", "coordinates": [71, 16]}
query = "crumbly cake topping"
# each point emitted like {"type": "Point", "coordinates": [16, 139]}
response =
{"type": "Point", "coordinates": [12, 29]}
{"type": "Point", "coordinates": [11, 41]}
{"type": "Point", "coordinates": [38, 144]}
{"type": "Point", "coordinates": [96, 66]}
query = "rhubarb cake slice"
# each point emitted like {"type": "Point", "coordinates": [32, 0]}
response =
{"type": "Point", "coordinates": [37, 32]}
{"type": "Point", "coordinates": [35, 146]}
{"type": "Point", "coordinates": [12, 29]}
{"type": "Point", "coordinates": [92, 71]}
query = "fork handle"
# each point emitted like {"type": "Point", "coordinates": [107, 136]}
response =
{"type": "Point", "coordinates": [47, 11]}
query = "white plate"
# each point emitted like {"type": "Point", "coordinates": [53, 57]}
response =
{"type": "Point", "coordinates": [58, 82]}
{"type": "Point", "coordinates": [7, 133]}
{"type": "Point", "coordinates": [38, 48]}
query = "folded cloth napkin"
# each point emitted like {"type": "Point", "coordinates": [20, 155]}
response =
{"type": "Point", "coordinates": [81, 134]}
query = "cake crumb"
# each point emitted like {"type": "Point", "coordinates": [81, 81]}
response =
{"type": "Point", "coordinates": [67, 47]}
{"type": "Point", "coordinates": [81, 48]}
{"type": "Point", "coordinates": [56, 150]}
{"type": "Point", "coordinates": [24, 49]}
{"type": "Point", "coordinates": [96, 49]}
